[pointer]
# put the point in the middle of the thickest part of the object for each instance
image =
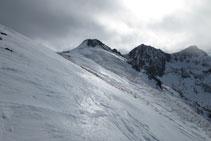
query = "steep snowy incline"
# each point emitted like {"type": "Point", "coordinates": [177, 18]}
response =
{"type": "Point", "coordinates": [46, 97]}
{"type": "Point", "coordinates": [116, 71]}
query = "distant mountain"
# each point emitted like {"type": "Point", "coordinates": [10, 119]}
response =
{"type": "Point", "coordinates": [188, 72]}
{"type": "Point", "coordinates": [147, 58]}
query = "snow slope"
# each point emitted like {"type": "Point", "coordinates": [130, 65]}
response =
{"type": "Point", "coordinates": [44, 96]}
{"type": "Point", "coordinates": [115, 70]}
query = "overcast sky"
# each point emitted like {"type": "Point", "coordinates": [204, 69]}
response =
{"type": "Point", "coordinates": [122, 24]}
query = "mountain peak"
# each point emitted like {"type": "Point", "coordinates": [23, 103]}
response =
{"type": "Point", "coordinates": [193, 51]}
{"type": "Point", "coordinates": [93, 42]}
{"type": "Point", "coordinates": [143, 46]}
{"type": "Point", "coordinates": [149, 58]}
{"type": "Point", "coordinates": [96, 44]}
{"type": "Point", "coordinates": [148, 49]}
{"type": "Point", "coordinates": [193, 47]}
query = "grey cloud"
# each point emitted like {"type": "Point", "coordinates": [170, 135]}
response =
{"type": "Point", "coordinates": [63, 24]}
{"type": "Point", "coordinates": [194, 24]}
{"type": "Point", "coordinates": [52, 20]}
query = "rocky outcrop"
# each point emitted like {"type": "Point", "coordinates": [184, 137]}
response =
{"type": "Point", "coordinates": [147, 58]}
{"type": "Point", "coordinates": [98, 44]}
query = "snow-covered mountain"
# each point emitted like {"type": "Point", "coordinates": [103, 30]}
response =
{"type": "Point", "coordinates": [188, 72]}
{"type": "Point", "coordinates": [114, 69]}
{"type": "Point", "coordinates": [91, 93]}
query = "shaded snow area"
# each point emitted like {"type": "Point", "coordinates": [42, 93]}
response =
{"type": "Point", "coordinates": [95, 95]}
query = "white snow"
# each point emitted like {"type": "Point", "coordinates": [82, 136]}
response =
{"type": "Point", "coordinates": [95, 96]}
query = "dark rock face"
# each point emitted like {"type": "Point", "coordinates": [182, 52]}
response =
{"type": "Point", "coordinates": [158, 82]}
{"type": "Point", "coordinates": [2, 33]}
{"type": "Point", "coordinates": [9, 49]}
{"type": "Point", "coordinates": [152, 60]}
{"type": "Point", "coordinates": [116, 52]}
{"type": "Point", "coordinates": [206, 87]}
{"type": "Point", "coordinates": [66, 52]}
{"type": "Point", "coordinates": [93, 42]}
{"type": "Point", "coordinates": [96, 42]}
{"type": "Point", "coordinates": [207, 71]}
{"type": "Point", "coordinates": [184, 73]}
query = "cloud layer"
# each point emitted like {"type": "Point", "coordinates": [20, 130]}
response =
{"type": "Point", "coordinates": [121, 24]}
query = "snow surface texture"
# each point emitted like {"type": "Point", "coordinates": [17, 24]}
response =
{"type": "Point", "coordinates": [44, 96]}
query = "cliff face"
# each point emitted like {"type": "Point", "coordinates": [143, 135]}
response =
{"type": "Point", "coordinates": [147, 58]}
